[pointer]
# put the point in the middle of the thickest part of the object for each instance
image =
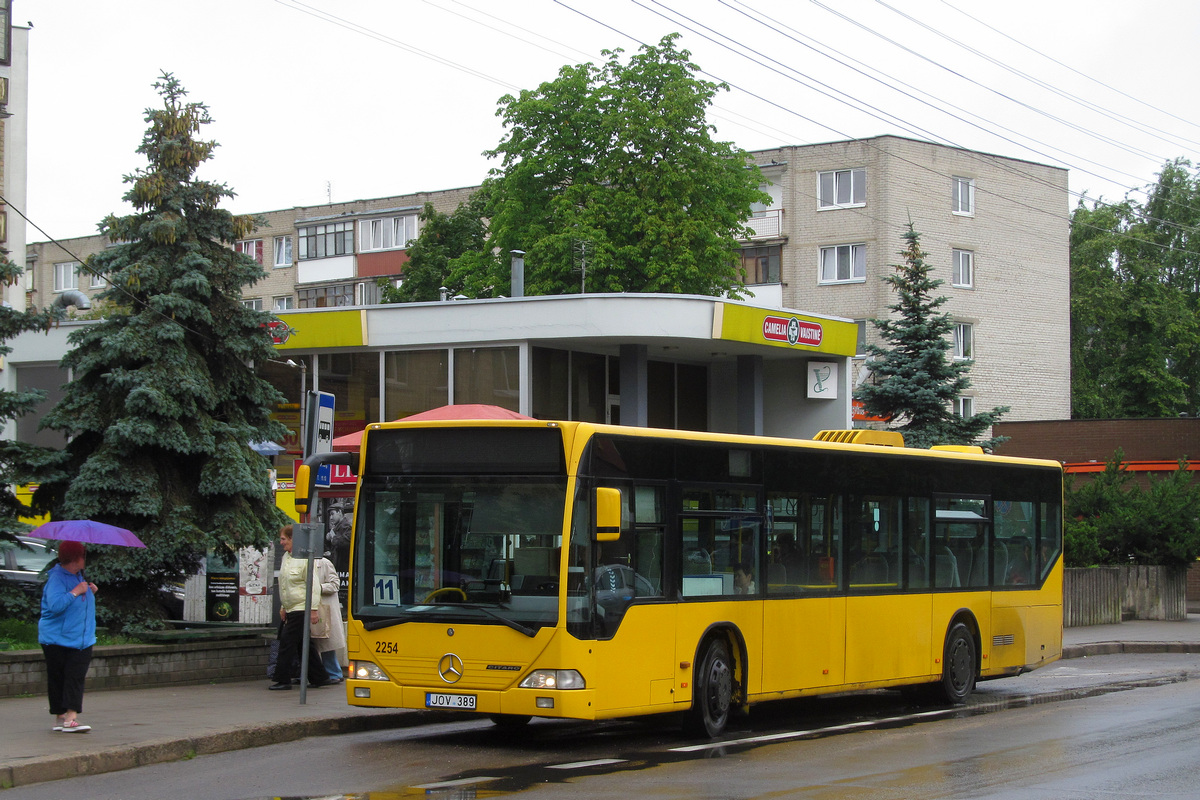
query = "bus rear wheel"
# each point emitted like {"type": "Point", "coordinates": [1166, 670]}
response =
{"type": "Point", "coordinates": [960, 665]}
{"type": "Point", "coordinates": [712, 692]}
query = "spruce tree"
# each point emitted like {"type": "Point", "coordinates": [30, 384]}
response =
{"type": "Point", "coordinates": [18, 460]}
{"type": "Point", "coordinates": [164, 400]}
{"type": "Point", "coordinates": [914, 381]}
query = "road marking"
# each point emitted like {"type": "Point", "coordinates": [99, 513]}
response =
{"type": "Point", "coordinates": [785, 735]}
{"type": "Point", "coordinates": [461, 782]}
{"type": "Point", "coordinates": [599, 762]}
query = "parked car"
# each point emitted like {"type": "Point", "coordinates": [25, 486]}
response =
{"type": "Point", "coordinates": [26, 565]}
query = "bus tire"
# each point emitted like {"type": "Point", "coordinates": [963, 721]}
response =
{"type": "Point", "coordinates": [960, 665]}
{"type": "Point", "coordinates": [510, 720]}
{"type": "Point", "coordinates": [712, 691]}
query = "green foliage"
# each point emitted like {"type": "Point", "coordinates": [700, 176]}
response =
{"type": "Point", "coordinates": [610, 181]}
{"type": "Point", "coordinates": [1112, 520]}
{"type": "Point", "coordinates": [164, 400]}
{"type": "Point", "coordinates": [1135, 298]}
{"type": "Point", "coordinates": [18, 460]}
{"type": "Point", "coordinates": [444, 254]}
{"type": "Point", "coordinates": [914, 381]}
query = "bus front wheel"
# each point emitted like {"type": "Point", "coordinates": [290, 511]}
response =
{"type": "Point", "coordinates": [960, 665]}
{"type": "Point", "coordinates": [712, 692]}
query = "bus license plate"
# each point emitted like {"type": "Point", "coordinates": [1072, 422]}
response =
{"type": "Point", "coordinates": [465, 702]}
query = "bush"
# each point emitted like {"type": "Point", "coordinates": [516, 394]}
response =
{"type": "Point", "coordinates": [1111, 520]}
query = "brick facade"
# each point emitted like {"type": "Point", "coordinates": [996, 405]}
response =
{"type": "Point", "coordinates": [1083, 440]}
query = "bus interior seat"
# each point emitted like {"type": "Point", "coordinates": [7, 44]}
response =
{"type": "Point", "coordinates": [1000, 554]}
{"type": "Point", "coordinates": [776, 574]}
{"type": "Point", "coordinates": [870, 570]}
{"type": "Point", "coordinates": [945, 567]}
{"type": "Point", "coordinates": [918, 574]}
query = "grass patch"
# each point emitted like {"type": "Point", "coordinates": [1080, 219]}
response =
{"type": "Point", "coordinates": [19, 635]}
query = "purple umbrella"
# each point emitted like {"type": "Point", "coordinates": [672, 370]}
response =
{"type": "Point", "coordinates": [86, 530]}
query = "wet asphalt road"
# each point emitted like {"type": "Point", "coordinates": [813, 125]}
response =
{"type": "Point", "coordinates": [1112, 726]}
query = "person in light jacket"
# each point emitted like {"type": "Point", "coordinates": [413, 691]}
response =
{"type": "Point", "coordinates": [329, 633]}
{"type": "Point", "coordinates": [293, 574]}
{"type": "Point", "coordinates": [66, 632]}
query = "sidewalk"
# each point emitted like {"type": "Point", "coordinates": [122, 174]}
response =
{"type": "Point", "coordinates": [136, 727]}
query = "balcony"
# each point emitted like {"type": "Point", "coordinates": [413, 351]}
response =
{"type": "Point", "coordinates": [766, 224]}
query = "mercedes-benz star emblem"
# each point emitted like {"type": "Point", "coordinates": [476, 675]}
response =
{"type": "Point", "coordinates": [450, 668]}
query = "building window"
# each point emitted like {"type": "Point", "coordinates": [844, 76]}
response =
{"type": "Point", "coordinates": [97, 281]}
{"type": "Point", "coordinates": [962, 195]}
{"type": "Point", "coordinates": [761, 264]}
{"type": "Point", "coordinates": [962, 265]}
{"type": "Point", "coordinates": [964, 407]}
{"type": "Point", "coordinates": [326, 296]}
{"type": "Point", "coordinates": [253, 303]}
{"type": "Point", "coordinates": [964, 340]}
{"type": "Point", "coordinates": [843, 188]}
{"type": "Point", "coordinates": [387, 233]}
{"type": "Point", "coordinates": [66, 276]}
{"type": "Point", "coordinates": [284, 303]}
{"type": "Point", "coordinates": [844, 263]}
{"type": "Point", "coordinates": [283, 251]}
{"type": "Point", "coordinates": [860, 345]}
{"type": "Point", "coordinates": [252, 248]}
{"type": "Point", "coordinates": [326, 241]}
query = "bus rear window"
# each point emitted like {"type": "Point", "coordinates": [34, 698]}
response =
{"type": "Point", "coordinates": [460, 451]}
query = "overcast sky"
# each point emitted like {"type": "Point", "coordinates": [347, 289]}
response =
{"type": "Point", "coordinates": [349, 99]}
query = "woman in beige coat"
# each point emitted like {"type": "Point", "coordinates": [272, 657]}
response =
{"type": "Point", "coordinates": [328, 633]}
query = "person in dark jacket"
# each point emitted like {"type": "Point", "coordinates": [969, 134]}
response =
{"type": "Point", "coordinates": [66, 632]}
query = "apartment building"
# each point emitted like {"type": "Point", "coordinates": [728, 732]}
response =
{"type": "Point", "coordinates": [996, 230]}
{"type": "Point", "coordinates": [14, 116]}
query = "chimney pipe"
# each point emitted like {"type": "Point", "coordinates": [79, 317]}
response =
{"type": "Point", "coordinates": [518, 273]}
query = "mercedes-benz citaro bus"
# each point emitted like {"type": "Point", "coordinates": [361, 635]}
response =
{"type": "Point", "coordinates": [566, 569]}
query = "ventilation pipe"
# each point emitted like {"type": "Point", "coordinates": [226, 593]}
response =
{"type": "Point", "coordinates": [518, 273]}
{"type": "Point", "coordinates": [72, 297]}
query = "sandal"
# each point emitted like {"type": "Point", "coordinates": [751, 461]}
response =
{"type": "Point", "coordinates": [73, 726]}
{"type": "Point", "coordinates": [58, 721]}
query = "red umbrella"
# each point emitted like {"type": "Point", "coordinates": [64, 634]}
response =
{"type": "Point", "coordinates": [86, 530]}
{"type": "Point", "coordinates": [351, 442]}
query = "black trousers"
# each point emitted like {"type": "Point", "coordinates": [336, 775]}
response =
{"type": "Point", "coordinates": [291, 639]}
{"type": "Point", "coordinates": [66, 669]}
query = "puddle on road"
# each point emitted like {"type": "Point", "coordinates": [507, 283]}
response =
{"type": "Point", "coordinates": [841, 714]}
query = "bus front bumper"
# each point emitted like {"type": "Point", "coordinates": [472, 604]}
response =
{"type": "Point", "coordinates": [573, 704]}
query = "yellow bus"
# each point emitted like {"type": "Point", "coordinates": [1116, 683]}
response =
{"type": "Point", "coordinates": [563, 569]}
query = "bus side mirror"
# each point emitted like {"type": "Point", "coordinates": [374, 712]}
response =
{"type": "Point", "coordinates": [608, 514]}
{"type": "Point", "coordinates": [303, 489]}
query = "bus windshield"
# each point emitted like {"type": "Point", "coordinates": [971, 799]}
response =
{"type": "Point", "coordinates": [462, 548]}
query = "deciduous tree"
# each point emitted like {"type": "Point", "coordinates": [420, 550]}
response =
{"type": "Point", "coordinates": [446, 253]}
{"type": "Point", "coordinates": [610, 181]}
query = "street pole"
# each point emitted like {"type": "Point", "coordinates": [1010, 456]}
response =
{"type": "Point", "coordinates": [308, 535]}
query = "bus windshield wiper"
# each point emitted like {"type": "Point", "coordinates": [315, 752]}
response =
{"type": "Point", "coordinates": [516, 626]}
{"type": "Point", "coordinates": [386, 622]}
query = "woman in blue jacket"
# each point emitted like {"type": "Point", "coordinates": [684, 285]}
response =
{"type": "Point", "coordinates": [66, 632]}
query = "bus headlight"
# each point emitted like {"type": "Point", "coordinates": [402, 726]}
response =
{"type": "Point", "coordinates": [366, 671]}
{"type": "Point", "coordinates": [553, 679]}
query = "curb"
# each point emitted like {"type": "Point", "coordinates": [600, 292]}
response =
{"type": "Point", "coordinates": [1119, 648]}
{"type": "Point", "coordinates": [74, 765]}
